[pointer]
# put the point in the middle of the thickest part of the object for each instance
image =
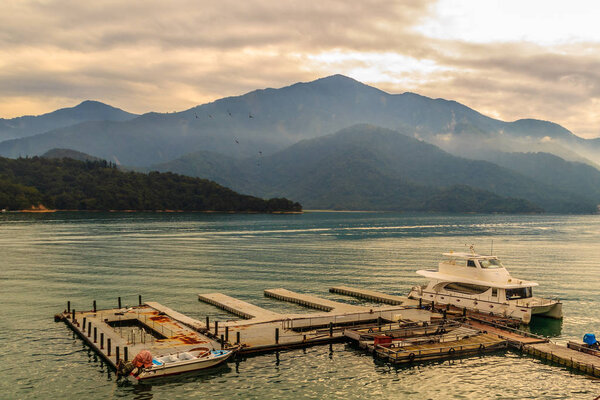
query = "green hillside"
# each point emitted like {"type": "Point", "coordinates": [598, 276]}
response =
{"type": "Point", "coordinates": [68, 184]}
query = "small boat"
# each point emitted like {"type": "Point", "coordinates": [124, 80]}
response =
{"type": "Point", "coordinates": [176, 363]}
{"type": "Point", "coordinates": [481, 283]}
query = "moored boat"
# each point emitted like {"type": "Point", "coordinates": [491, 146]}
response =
{"type": "Point", "coordinates": [144, 366]}
{"type": "Point", "coordinates": [481, 283]}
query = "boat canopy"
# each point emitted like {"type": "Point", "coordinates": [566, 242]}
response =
{"type": "Point", "coordinates": [510, 283]}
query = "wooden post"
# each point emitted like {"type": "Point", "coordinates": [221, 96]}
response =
{"type": "Point", "coordinates": [94, 305]}
{"type": "Point", "coordinates": [331, 329]}
{"type": "Point", "coordinates": [95, 334]}
{"type": "Point", "coordinates": [68, 306]}
{"type": "Point", "coordinates": [227, 334]}
{"type": "Point", "coordinates": [83, 328]}
{"type": "Point", "coordinates": [89, 329]}
{"type": "Point", "coordinates": [108, 347]}
{"type": "Point", "coordinates": [120, 302]}
{"type": "Point", "coordinates": [222, 342]}
{"type": "Point", "coordinates": [125, 353]}
{"type": "Point", "coordinates": [217, 328]}
{"type": "Point", "coordinates": [276, 335]}
{"type": "Point", "coordinates": [101, 340]}
{"type": "Point", "coordinates": [237, 337]}
{"type": "Point", "coordinates": [139, 299]}
{"type": "Point", "coordinates": [207, 324]}
{"type": "Point", "coordinates": [73, 318]}
{"type": "Point", "coordinates": [117, 352]}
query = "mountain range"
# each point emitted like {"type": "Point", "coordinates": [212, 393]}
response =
{"type": "Point", "coordinates": [337, 143]}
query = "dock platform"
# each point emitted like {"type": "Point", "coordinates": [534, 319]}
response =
{"type": "Point", "coordinates": [587, 363]}
{"type": "Point", "coordinates": [124, 332]}
{"type": "Point", "coordinates": [435, 351]}
{"type": "Point", "coordinates": [238, 307]}
{"type": "Point", "coordinates": [372, 295]}
{"type": "Point", "coordinates": [311, 301]}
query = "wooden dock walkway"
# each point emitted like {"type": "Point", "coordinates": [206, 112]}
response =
{"type": "Point", "coordinates": [239, 307]}
{"type": "Point", "coordinates": [311, 301]}
{"type": "Point", "coordinates": [372, 295]}
{"type": "Point", "coordinates": [561, 355]}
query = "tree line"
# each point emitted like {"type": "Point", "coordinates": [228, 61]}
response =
{"type": "Point", "coordinates": [68, 184]}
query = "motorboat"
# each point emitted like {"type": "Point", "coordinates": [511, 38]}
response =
{"type": "Point", "coordinates": [176, 363]}
{"type": "Point", "coordinates": [481, 283]}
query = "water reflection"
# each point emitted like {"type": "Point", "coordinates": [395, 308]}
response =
{"type": "Point", "coordinates": [548, 327]}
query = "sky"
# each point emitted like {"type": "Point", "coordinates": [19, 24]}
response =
{"type": "Point", "coordinates": [507, 59]}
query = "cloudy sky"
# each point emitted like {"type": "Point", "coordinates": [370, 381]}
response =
{"type": "Point", "coordinates": [508, 59]}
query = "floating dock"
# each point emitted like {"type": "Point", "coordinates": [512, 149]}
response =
{"type": "Point", "coordinates": [400, 331]}
{"type": "Point", "coordinates": [372, 295]}
{"type": "Point", "coordinates": [311, 301]}
{"type": "Point", "coordinates": [264, 330]}
{"type": "Point", "coordinates": [587, 363]}
{"type": "Point", "coordinates": [121, 333]}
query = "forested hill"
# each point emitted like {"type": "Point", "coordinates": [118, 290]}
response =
{"type": "Point", "coordinates": [68, 184]}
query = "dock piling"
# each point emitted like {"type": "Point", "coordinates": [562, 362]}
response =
{"type": "Point", "coordinates": [227, 334]}
{"type": "Point", "coordinates": [237, 337]}
{"type": "Point", "coordinates": [276, 335]}
{"type": "Point", "coordinates": [207, 323]}
{"type": "Point", "coordinates": [68, 306]}
{"type": "Point", "coordinates": [108, 345]}
{"type": "Point", "coordinates": [222, 341]}
{"type": "Point", "coordinates": [118, 352]}
{"type": "Point", "coordinates": [84, 318]}
{"type": "Point", "coordinates": [101, 340]}
{"type": "Point", "coordinates": [94, 305]}
{"type": "Point", "coordinates": [89, 329]}
{"type": "Point", "coordinates": [95, 334]}
{"type": "Point", "coordinates": [73, 318]}
{"type": "Point", "coordinates": [331, 329]}
{"type": "Point", "coordinates": [119, 302]}
{"type": "Point", "coordinates": [139, 299]}
{"type": "Point", "coordinates": [216, 328]}
{"type": "Point", "coordinates": [125, 353]}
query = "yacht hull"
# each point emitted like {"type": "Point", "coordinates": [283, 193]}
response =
{"type": "Point", "coordinates": [515, 310]}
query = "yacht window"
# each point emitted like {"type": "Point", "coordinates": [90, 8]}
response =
{"type": "Point", "coordinates": [520, 293]}
{"type": "Point", "coordinates": [471, 263]}
{"type": "Point", "coordinates": [466, 288]}
{"type": "Point", "coordinates": [494, 292]}
{"type": "Point", "coordinates": [490, 263]}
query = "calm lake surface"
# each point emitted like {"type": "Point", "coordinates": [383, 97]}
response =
{"type": "Point", "coordinates": [47, 259]}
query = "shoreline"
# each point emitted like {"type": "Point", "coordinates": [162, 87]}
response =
{"type": "Point", "coordinates": [43, 211]}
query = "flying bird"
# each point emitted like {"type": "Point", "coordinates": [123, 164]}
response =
{"type": "Point", "coordinates": [229, 112]}
{"type": "Point", "coordinates": [236, 141]}
{"type": "Point", "coordinates": [250, 115]}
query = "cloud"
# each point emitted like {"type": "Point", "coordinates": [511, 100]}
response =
{"type": "Point", "coordinates": [144, 55]}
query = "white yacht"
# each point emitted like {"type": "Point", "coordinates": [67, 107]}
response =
{"type": "Point", "coordinates": [481, 283]}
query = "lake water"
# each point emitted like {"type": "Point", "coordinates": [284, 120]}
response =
{"type": "Point", "coordinates": [47, 259]}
